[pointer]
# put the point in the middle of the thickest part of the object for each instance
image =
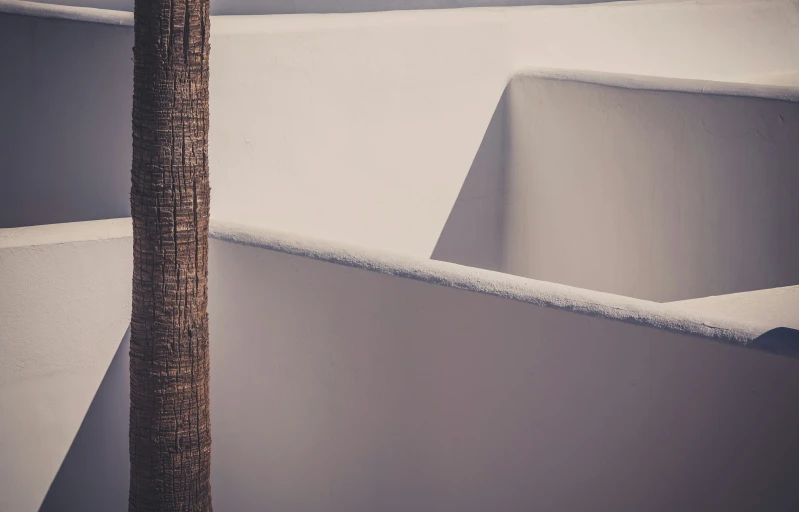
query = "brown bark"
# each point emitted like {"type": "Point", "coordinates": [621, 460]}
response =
{"type": "Point", "coordinates": [170, 437]}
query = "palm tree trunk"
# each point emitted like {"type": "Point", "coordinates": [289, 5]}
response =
{"type": "Point", "coordinates": [170, 437]}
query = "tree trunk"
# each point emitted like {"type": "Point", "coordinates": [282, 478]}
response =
{"type": "Point", "coordinates": [170, 437]}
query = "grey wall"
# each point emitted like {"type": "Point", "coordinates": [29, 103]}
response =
{"type": "Point", "coordinates": [340, 389]}
{"type": "Point", "coordinates": [324, 6]}
{"type": "Point", "coordinates": [65, 140]}
{"type": "Point", "coordinates": [650, 194]}
{"type": "Point", "coordinates": [365, 392]}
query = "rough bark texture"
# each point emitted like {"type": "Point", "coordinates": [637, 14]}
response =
{"type": "Point", "coordinates": [170, 437]}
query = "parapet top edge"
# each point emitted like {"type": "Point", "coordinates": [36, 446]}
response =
{"type": "Point", "coordinates": [541, 293]}
{"type": "Point", "coordinates": [67, 12]}
{"type": "Point", "coordinates": [68, 232]}
{"type": "Point", "coordinates": [662, 83]}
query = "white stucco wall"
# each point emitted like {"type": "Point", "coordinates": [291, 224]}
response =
{"type": "Point", "coordinates": [363, 128]}
{"type": "Point", "coordinates": [360, 127]}
{"type": "Point", "coordinates": [370, 391]}
{"type": "Point", "coordinates": [605, 182]}
{"type": "Point", "coordinates": [336, 387]}
{"type": "Point", "coordinates": [652, 194]}
{"type": "Point", "coordinates": [64, 308]}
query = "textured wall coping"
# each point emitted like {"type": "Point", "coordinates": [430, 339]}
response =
{"type": "Point", "coordinates": [531, 291]}
{"type": "Point", "coordinates": [541, 293]}
{"type": "Point", "coordinates": [664, 84]}
{"type": "Point", "coordinates": [68, 232]}
{"type": "Point", "coordinates": [67, 12]}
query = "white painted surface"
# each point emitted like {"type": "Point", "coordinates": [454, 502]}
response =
{"type": "Point", "coordinates": [660, 195]}
{"type": "Point", "coordinates": [362, 128]}
{"type": "Point", "coordinates": [359, 128]}
{"type": "Point", "coordinates": [662, 189]}
{"type": "Point", "coordinates": [777, 306]}
{"type": "Point", "coordinates": [336, 387]}
{"type": "Point", "coordinates": [342, 388]}
{"type": "Point", "coordinates": [64, 307]}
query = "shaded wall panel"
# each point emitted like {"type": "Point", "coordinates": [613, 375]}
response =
{"type": "Point", "coordinates": [651, 194]}
{"type": "Point", "coordinates": [65, 129]}
{"type": "Point", "coordinates": [363, 391]}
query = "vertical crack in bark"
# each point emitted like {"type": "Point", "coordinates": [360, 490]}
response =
{"type": "Point", "coordinates": [175, 342]}
{"type": "Point", "coordinates": [186, 32]}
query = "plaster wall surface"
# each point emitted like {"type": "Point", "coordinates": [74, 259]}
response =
{"type": "Point", "coordinates": [367, 138]}
{"type": "Point", "coordinates": [64, 307]}
{"type": "Point", "coordinates": [657, 194]}
{"type": "Point", "coordinates": [377, 392]}
{"type": "Point", "coordinates": [332, 126]}
{"type": "Point", "coordinates": [351, 127]}
{"type": "Point", "coordinates": [343, 388]}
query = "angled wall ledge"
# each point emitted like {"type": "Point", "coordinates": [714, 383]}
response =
{"type": "Point", "coordinates": [709, 322]}
{"type": "Point", "coordinates": [68, 11]}
{"type": "Point", "coordinates": [536, 292]}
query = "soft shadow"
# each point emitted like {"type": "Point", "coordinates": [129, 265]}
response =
{"type": "Point", "coordinates": [474, 232]}
{"type": "Point", "coordinates": [94, 475]}
{"type": "Point", "coordinates": [66, 149]}
{"type": "Point", "coordinates": [782, 341]}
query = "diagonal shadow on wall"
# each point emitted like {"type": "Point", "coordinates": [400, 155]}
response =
{"type": "Point", "coordinates": [94, 475]}
{"type": "Point", "coordinates": [474, 232]}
